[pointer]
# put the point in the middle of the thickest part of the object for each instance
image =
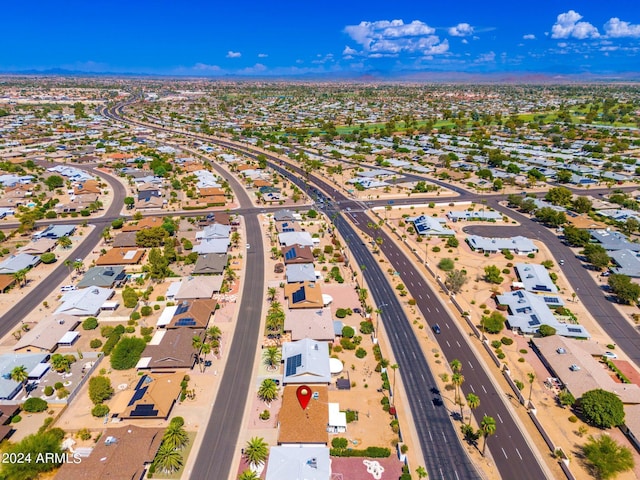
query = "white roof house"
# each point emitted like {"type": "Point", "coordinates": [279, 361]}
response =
{"type": "Point", "coordinates": [18, 262]}
{"type": "Point", "coordinates": [337, 419]}
{"type": "Point", "coordinates": [478, 215]}
{"type": "Point", "coordinates": [85, 302]}
{"type": "Point", "coordinates": [215, 230]}
{"type": "Point", "coordinates": [213, 245]}
{"type": "Point", "coordinates": [535, 278]}
{"type": "Point", "coordinates": [306, 361]}
{"type": "Point", "coordinates": [520, 245]}
{"type": "Point", "coordinates": [301, 272]}
{"type": "Point", "coordinates": [199, 287]}
{"type": "Point", "coordinates": [297, 238]}
{"type": "Point", "coordinates": [296, 462]}
{"type": "Point", "coordinates": [430, 226]}
{"type": "Point", "coordinates": [45, 335]}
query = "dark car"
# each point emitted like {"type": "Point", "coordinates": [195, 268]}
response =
{"type": "Point", "coordinates": [357, 310]}
{"type": "Point", "coordinates": [437, 401]}
{"type": "Point", "coordinates": [436, 328]}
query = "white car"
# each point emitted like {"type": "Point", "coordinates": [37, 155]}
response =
{"type": "Point", "coordinates": [248, 246]}
{"type": "Point", "coordinates": [68, 288]}
{"type": "Point", "coordinates": [610, 355]}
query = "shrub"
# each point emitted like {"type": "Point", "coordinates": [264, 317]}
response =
{"type": "Point", "coordinates": [435, 249]}
{"type": "Point", "coordinates": [129, 329]}
{"type": "Point", "coordinates": [90, 323]}
{"type": "Point", "coordinates": [501, 355]}
{"type": "Point", "coordinates": [146, 331]}
{"type": "Point", "coordinates": [157, 307]}
{"type": "Point", "coordinates": [446, 265]}
{"type": "Point", "coordinates": [83, 434]}
{"type": "Point", "coordinates": [573, 419]}
{"type": "Point", "coordinates": [506, 341]}
{"type": "Point", "coordinates": [366, 327]}
{"type": "Point", "coordinates": [34, 405]}
{"type": "Point", "coordinates": [95, 343]}
{"type": "Point", "coordinates": [100, 410]}
{"type": "Point", "coordinates": [348, 331]}
{"type": "Point", "coordinates": [58, 385]}
{"type": "Point", "coordinates": [48, 390]}
{"type": "Point", "coordinates": [370, 452]}
{"type": "Point", "coordinates": [16, 419]}
{"type": "Point", "coordinates": [63, 393]}
{"type": "Point", "coordinates": [523, 351]}
{"type": "Point", "coordinates": [519, 384]}
{"type": "Point", "coordinates": [135, 316]}
{"type": "Point", "coordinates": [106, 331]}
{"type": "Point", "coordinates": [496, 343]}
{"type": "Point", "coordinates": [48, 257]}
{"type": "Point", "coordinates": [452, 242]}
{"type": "Point", "coordinates": [546, 330]}
{"type": "Point", "coordinates": [126, 353]}
{"type": "Point", "coordinates": [361, 352]}
{"type": "Point", "coordinates": [265, 415]}
{"type": "Point", "coordinates": [100, 389]}
{"type": "Point", "coordinates": [146, 311]}
{"type": "Point", "coordinates": [339, 443]}
{"type": "Point", "coordinates": [341, 312]}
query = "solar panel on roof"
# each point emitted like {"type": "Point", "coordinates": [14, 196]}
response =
{"type": "Point", "coordinates": [138, 395]}
{"type": "Point", "coordinates": [534, 320]}
{"type": "Point", "coordinates": [109, 273]}
{"type": "Point", "coordinates": [293, 363]}
{"type": "Point", "coordinates": [288, 230]}
{"type": "Point", "coordinates": [182, 308]}
{"type": "Point", "coordinates": [186, 322]}
{"type": "Point", "coordinates": [290, 254]}
{"type": "Point", "coordinates": [574, 330]}
{"type": "Point", "coordinates": [144, 411]}
{"type": "Point", "coordinates": [552, 299]}
{"type": "Point", "coordinates": [299, 296]}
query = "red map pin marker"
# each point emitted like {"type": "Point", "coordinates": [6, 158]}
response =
{"type": "Point", "coordinates": [304, 395]}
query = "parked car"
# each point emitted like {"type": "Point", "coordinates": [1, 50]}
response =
{"type": "Point", "coordinates": [68, 288]}
{"type": "Point", "coordinates": [610, 355]}
{"type": "Point", "coordinates": [574, 368]}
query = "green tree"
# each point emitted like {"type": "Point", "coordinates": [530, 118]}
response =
{"type": "Point", "coordinates": [607, 457]}
{"type": "Point", "coordinates": [596, 255]}
{"type": "Point", "coordinates": [19, 374]}
{"type": "Point", "coordinates": [492, 274]}
{"type": "Point", "coordinates": [100, 389]}
{"type": "Point", "coordinates": [564, 176]}
{"type": "Point", "coordinates": [129, 297]}
{"type": "Point", "coordinates": [546, 330]}
{"type": "Point", "coordinates": [151, 237]}
{"type": "Point", "coordinates": [576, 237]}
{"type": "Point", "coordinates": [446, 264]}
{"type": "Point", "coordinates": [48, 258]}
{"type": "Point", "coordinates": [248, 475]}
{"type": "Point", "coordinates": [559, 196]}
{"type": "Point", "coordinates": [488, 427]}
{"type": "Point", "coordinates": [129, 202]}
{"type": "Point", "coordinates": [54, 181]}
{"type": "Point", "coordinates": [127, 352]}
{"type": "Point", "coordinates": [256, 451]}
{"type": "Point", "coordinates": [272, 357]}
{"type": "Point", "coordinates": [494, 323]}
{"type": "Point", "coordinates": [168, 460]}
{"type": "Point", "coordinates": [271, 293]}
{"type": "Point", "coordinates": [474, 402]}
{"type": "Point", "coordinates": [65, 242]}
{"type": "Point", "coordinates": [626, 290]}
{"type": "Point", "coordinates": [457, 379]}
{"type": "Point", "coordinates": [565, 398]}
{"type": "Point", "coordinates": [531, 376]}
{"type": "Point", "coordinates": [602, 408]}
{"type": "Point", "coordinates": [268, 391]}
{"type": "Point", "coordinates": [157, 265]}
{"type": "Point", "coordinates": [34, 405]}
{"type": "Point", "coordinates": [582, 204]}
{"type": "Point", "coordinates": [37, 445]}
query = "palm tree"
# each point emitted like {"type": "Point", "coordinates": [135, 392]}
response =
{"type": "Point", "coordinates": [69, 264]}
{"type": "Point", "coordinates": [456, 365]}
{"type": "Point", "coordinates": [248, 475]}
{"type": "Point", "coordinates": [394, 367]}
{"type": "Point", "coordinates": [488, 427]}
{"type": "Point", "coordinates": [532, 377]}
{"type": "Point", "coordinates": [474, 402]}
{"type": "Point", "coordinates": [256, 452]}
{"type": "Point", "coordinates": [271, 293]}
{"type": "Point", "coordinates": [272, 357]}
{"type": "Point", "coordinates": [268, 391]}
{"type": "Point", "coordinates": [196, 344]}
{"type": "Point", "coordinates": [457, 379]}
{"type": "Point", "coordinates": [421, 472]}
{"type": "Point", "coordinates": [65, 242]}
{"type": "Point", "coordinates": [214, 332]}
{"type": "Point", "coordinates": [204, 350]}
{"type": "Point", "coordinates": [19, 374]}
{"type": "Point", "coordinates": [168, 460]}
{"type": "Point", "coordinates": [175, 436]}
{"type": "Point", "coordinates": [21, 277]}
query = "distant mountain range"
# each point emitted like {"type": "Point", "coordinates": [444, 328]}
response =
{"type": "Point", "coordinates": [373, 76]}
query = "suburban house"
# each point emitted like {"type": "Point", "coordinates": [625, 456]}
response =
{"type": "Point", "coordinates": [85, 302]}
{"type": "Point", "coordinates": [315, 325]}
{"type": "Point", "coordinates": [121, 256]}
{"type": "Point", "coordinates": [627, 262]}
{"type": "Point", "coordinates": [306, 361]}
{"type": "Point", "coordinates": [286, 216]}
{"type": "Point", "coordinates": [121, 453]}
{"type": "Point", "coordinates": [149, 199]}
{"type": "Point", "coordinates": [474, 215]}
{"type": "Point", "coordinates": [106, 277]}
{"type": "Point", "coordinates": [46, 335]}
{"type": "Point", "coordinates": [6, 282]}
{"type": "Point", "coordinates": [35, 364]}
{"type": "Point", "coordinates": [301, 272]}
{"type": "Point", "coordinates": [125, 239]}
{"type": "Point", "coordinates": [519, 245]}
{"type": "Point", "coordinates": [291, 463]}
{"type": "Point", "coordinates": [20, 261]}
{"type": "Point", "coordinates": [430, 226]}
{"type": "Point", "coordinates": [188, 314]}
{"type": "Point", "coordinates": [535, 278]}
{"type": "Point", "coordinates": [55, 231]}
{"type": "Point", "coordinates": [148, 222]}
{"type": "Point", "coordinates": [169, 349]}
{"type": "Point", "coordinates": [154, 396]}
{"type": "Point", "coordinates": [304, 295]}
{"type": "Point", "coordinates": [214, 231]}
{"type": "Point", "coordinates": [212, 245]}
{"type": "Point", "coordinates": [304, 426]}
{"type": "Point", "coordinates": [297, 254]}
{"type": "Point", "coordinates": [611, 240]}
{"type": "Point", "coordinates": [211, 264]}
{"type": "Point", "coordinates": [527, 311]}
{"type": "Point", "coordinates": [39, 247]}
{"type": "Point", "coordinates": [203, 286]}
{"type": "Point", "coordinates": [297, 238]}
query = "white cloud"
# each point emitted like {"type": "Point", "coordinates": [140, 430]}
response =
{"type": "Point", "coordinates": [568, 25]}
{"type": "Point", "coordinates": [349, 51]}
{"type": "Point", "coordinates": [257, 68]}
{"type": "Point", "coordinates": [465, 41]}
{"type": "Point", "coordinates": [461, 30]}
{"type": "Point", "coordinates": [262, 55]}
{"type": "Point", "coordinates": [232, 54]}
{"type": "Point", "coordinates": [616, 28]}
{"type": "Point", "coordinates": [203, 67]}
{"type": "Point", "coordinates": [529, 36]}
{"type": "Point", "coordinates": [390, 38]}
{"type": "Point", "coordinates": [486, 57]}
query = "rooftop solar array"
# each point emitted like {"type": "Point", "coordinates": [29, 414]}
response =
{"type": "Point", "coordinates": [186, 322]}
{"type": "Point", "coordinates": [182, 308]}
{"type": "Point", "coordinates": [291, 254]}
{"type": "Point", "coordinates": [299, 295]}
{"type": "Point", "coordinates": [293, 363]}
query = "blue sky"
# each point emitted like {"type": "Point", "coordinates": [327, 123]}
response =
{"type": "Point", "coordinates": [279, 38]}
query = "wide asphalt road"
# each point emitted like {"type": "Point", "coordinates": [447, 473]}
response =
{"type": "Point", "coordinates": [21, 310]}
{"type": "Point", "coordinates": [220, 442]}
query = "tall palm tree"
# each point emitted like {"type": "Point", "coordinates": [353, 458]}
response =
{"type": "Point", "coordinates": [204, 350]}
{"type": "Point", "coordinates": [272, 357]}
{"type": "Point", "coordinates": [256, 451]}
{"type": "Point", "coordinates": [456, 365]}
{"type": "Point", "coordinates": [175, 436]}
{"type": "Point", "coordinates": [532, 377]}
{"type": "Point", "coordinates": [394, 367]}
{"type": "Point", "coordinates": [65, 242]}
{"type": "Point", "coordinates": [457, 379]}
{"type": "Point", "coordinates": [168, 460]}
{"type": "Point", "coordinates": [268, 391]}
{"type": "Point", "coordinates": [214, 332]}
{"type": "Point", "coordinates": [474, 402]}
{"type": "Point", "coordinates": [488, 427]}
{"type": "Point", "coordinates": [19, 374]}
{"type": "Point", "coordinates": [196, 344]}
{"type": "Point", "coordinates": [271, 293]}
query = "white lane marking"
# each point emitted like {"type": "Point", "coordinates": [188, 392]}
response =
{"type": "Point", "coordinates": [518, 452]}
{"type": "Point", "coordinates": [498, 415]}
{"type": "Point", "coordinates": [448, 344]}
{"type": "Point", "coordinates": [485, 390]}
{"type": "Point", "coordinates": [470, 364]}
{"type": "Point", "coordinates": [437, 310]}
{"type": "Point", "coordinates": [472, 389]}
{"type": "Point", "coordinates": [459, 346]}
{"type": "Point", "coordinates": [505, 453]}
{"type": "Point", "coordinates": [443, 436]}
{"type": "Point", "coordinates": [446, 324]}
{"type": "Point", "coordinates": [430, 436]}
